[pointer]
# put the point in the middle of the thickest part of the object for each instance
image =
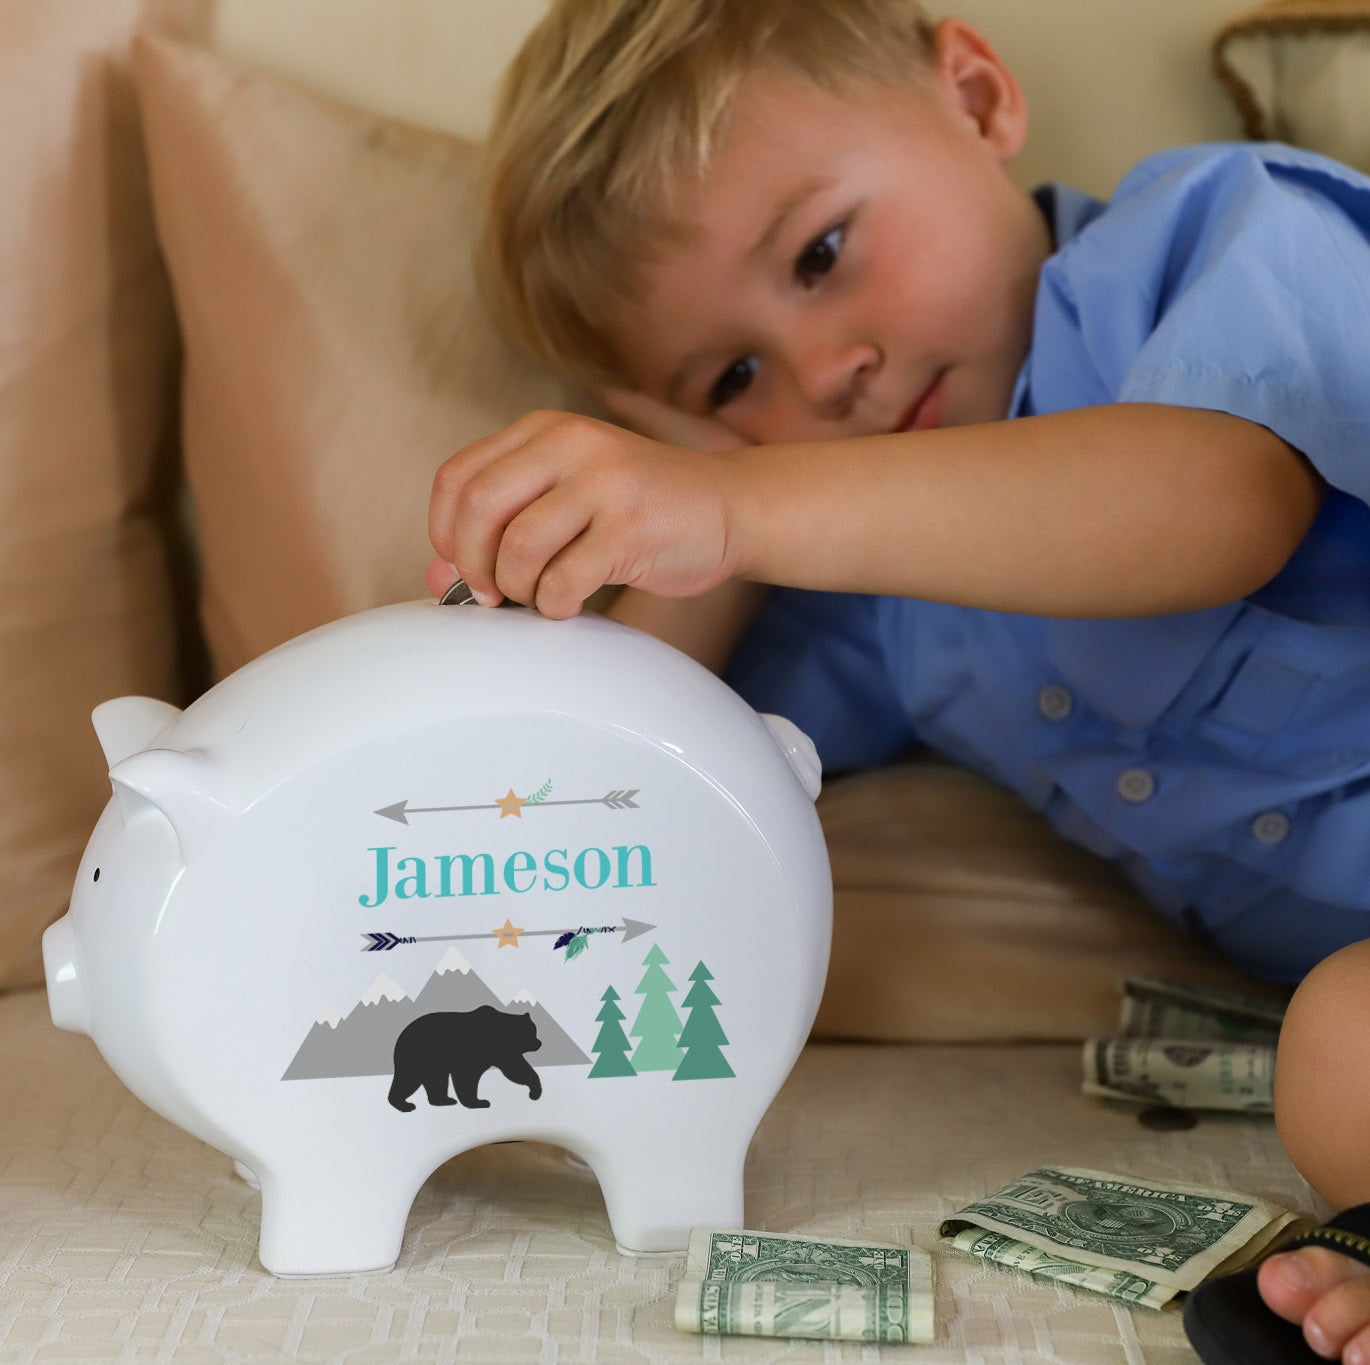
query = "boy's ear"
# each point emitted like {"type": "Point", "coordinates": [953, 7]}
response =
{"type": "Point", "coordinates": [982, 86]}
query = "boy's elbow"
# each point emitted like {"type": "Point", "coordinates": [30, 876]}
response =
{"type": "Point", "coordinates": [1283, 496]}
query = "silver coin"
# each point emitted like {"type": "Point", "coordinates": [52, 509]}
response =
{"type": "Point", "coordinates": [458, 595]}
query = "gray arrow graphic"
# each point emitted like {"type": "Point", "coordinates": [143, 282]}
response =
{"type": "Point", "coordinates": [615, 800]}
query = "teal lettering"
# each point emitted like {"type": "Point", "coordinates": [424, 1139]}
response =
{"type": "Point", "coordinates": [644, 864]}
{"type": "Point", "coordinates": [476, 874]}
{"type": "Point", "coordinates": [515, 865]}
{"type": "Point", "coordinates": [558, 869]}
{"type": "Point", "coordinates": [604, 868]}
{"type": "Point", "coordinates": [468, 863]}
{"type": "Point", "coordinates": [414, 885]}
{"type": "Point", "coordinates": [382, 877]}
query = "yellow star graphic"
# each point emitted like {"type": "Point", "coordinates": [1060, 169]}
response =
{"type": "Point", "coordinates": [510, 804]}
{"type": "Point", "coordinates": [508, 936]}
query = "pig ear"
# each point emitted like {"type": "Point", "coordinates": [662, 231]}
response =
{"type": "Point", "coordinates": [184, 788]}
{"type": "Point", "coordinates": [127, 724]}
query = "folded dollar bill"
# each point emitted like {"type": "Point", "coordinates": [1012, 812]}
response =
{"type": "Point", "coordinates": [1183, 1072]}
{"type": "Point", "coordinates": [1141, 1241]}
{"type": "Point", "coordinates": [1156, 1008]}
{"type": "Point", "coordinates": [766, 1284]}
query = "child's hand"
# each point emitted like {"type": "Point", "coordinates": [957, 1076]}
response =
{"type": "Point", "coordinates": [555, 506]}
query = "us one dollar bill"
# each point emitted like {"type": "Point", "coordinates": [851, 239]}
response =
{"type": "Point", "coordinates": [1140, 1241]}
{"type": "Point", "coordinates": [1156, 1008]}
{"type": "Point", "coordinates": [1181, 1072]}
{"type": "Point", "coordinates": [766, 1284]}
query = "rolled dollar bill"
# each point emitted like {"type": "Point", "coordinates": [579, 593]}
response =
{"type": "Point", "coordinates": [1006, 1251]}
{"type": "Point", "coordinates": [1156, 1008]}
{"type": "Point", "coordinates": [776, 1285]}
{"type": "Point", "coordinates": [1186, 1073]}
{"type": "Point", "coordinates": [1142, 1241]}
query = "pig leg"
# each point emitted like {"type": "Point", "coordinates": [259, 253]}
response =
{"type": "Point", "coordinates": [335, 1215]}
{"type": "Point", "coordinates": [658, 1185]}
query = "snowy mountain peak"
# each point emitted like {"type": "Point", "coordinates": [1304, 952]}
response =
{"type": "Point", "coordinates": [524, 997]}
{"type": "Point", "coordinates": [452, 961]}
{"type": "Point", "coordinates": [382, 988]}
{"type": "Point", "coordinates": [328, 1015]}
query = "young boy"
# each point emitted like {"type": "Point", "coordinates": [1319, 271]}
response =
{"type": "Point", "coordinates": [782, 239]}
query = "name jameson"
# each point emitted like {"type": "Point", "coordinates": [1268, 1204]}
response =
{"type": "Point", "coordinates": [477, 874]}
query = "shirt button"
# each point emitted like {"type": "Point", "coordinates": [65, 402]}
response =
{"type": "Point", "coordinates": [1055, 702]}
{"type": "Point", "coordinates": [1270, 828]}
{"type": "Point", "coordinates": [1136, 785]}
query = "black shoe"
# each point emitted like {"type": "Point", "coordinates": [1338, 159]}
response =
{"type": "Point", "coordinates": [1228, 1323]}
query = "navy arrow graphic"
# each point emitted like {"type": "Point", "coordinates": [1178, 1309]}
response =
{"type": "Point", "coordinates": [382, 942]}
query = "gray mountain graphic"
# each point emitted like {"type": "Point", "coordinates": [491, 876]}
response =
{"type": "Point", "coordinates": [363, 1042]}
{"type": "Point", "coordinates": [558, 1047]}
{"type": "Point", "coordinates": [454, 985]}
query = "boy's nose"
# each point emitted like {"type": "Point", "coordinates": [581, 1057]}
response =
{"type": "Point", "coordinates": [832, 379]}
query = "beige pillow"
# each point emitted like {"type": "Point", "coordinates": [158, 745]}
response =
{"type": "Point", "coordinates": [960, 915]}
{"type": "Point", "coordinates": [336, 354]}
{"type": "Point", "coordinates": [1299, 71]}
{"type": "Point", "coordinates": [88, 358]}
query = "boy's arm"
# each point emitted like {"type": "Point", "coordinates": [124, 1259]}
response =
{"type": "Point", "coordinates": [1126, 509]}
{"type": "Point", "coordinates": [704, 627]}
{"type": "Point", "coordinates": [1120, 510]}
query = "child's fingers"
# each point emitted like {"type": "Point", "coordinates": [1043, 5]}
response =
{"type": "Point", "coordinates": [569, 577]}
{"type": "Point", "coordinates": [457, 470]}
{"type": "Point", "coordinates": [578, 569]}
{"type": "Point", "coordinates": [480, 489]}
{"type": "Point", "coordinates": [441, 575]}
{"type": "Point", "coordinates": [530, 543]}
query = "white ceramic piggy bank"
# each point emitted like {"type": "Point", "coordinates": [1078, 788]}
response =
{"type": "Point", "coordinates": [431, 877]}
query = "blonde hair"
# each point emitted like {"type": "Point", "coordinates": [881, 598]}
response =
{"type": "Point", "coordinates": [608, 109]}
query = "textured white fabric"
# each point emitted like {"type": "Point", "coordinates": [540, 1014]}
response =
{"type": "Point", "coordinates": [123, 1239]}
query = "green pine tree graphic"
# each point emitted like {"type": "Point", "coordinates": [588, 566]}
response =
{"type": "Point", "coordinates": [657, 1023]}
{"type": "Point", "coordinates": [703, 1036]}
{"type": "Point", "coordinates": [611, 1044]}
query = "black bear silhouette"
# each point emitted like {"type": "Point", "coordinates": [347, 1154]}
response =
{"type": "Point", "coordinates": [463, 1045]}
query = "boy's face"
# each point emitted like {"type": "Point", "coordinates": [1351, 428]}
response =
{"type": "Point", "coordinates": [860, 263]}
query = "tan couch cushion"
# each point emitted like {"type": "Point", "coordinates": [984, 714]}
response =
{"type": "Point", "coordinates": [961, 915]}
{"type": "Point", "coordinates": [88, 361]}
{"type": "Point", "coordinates": [1299, 71]}
{"type": "Point", "coordinates": [336, 354]}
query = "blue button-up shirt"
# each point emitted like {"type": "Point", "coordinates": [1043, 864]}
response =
{"type": "Point", "coordinates": [1222, 757]}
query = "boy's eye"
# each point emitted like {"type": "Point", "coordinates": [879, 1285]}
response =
{"type": "Point", "coordinates": [820, 255]}
{"type": "Point", "coordinates": [732, 381]}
